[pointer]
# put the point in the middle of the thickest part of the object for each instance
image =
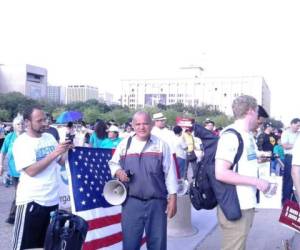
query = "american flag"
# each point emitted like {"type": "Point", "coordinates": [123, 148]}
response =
{"type": "Point", "coordinates": [89, 171]}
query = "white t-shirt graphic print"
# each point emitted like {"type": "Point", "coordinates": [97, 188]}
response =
{"type": "Point", "coordinates": [43, 187]}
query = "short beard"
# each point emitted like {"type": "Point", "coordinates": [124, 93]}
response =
{"type": "Point", "coordinates": [40, 131]}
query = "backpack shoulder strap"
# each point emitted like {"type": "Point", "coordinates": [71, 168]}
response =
{"type": "Point", "coordinates": [240, 147]}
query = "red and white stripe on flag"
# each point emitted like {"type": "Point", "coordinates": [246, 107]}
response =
{"type": "Point", "coordinates": [104, 228]}
{"type": "Point", "coordinates": [88, 171]}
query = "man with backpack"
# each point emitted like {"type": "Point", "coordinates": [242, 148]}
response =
{"type": "Point", "coordinates": [244, 173]}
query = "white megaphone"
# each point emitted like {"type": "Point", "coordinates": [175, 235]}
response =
{"type": "Point", "coordinates": [183, 186]}
{"type": "Point", "coordinates": [114, 192]}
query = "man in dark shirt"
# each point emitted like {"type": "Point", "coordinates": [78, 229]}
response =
{"type": "Point", "coordinates": [49, 129]}
{"type": "Point", "coordinates": [266, 140]}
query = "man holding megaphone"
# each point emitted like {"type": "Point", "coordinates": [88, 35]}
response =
{"type": "Point", "coordinates": [152, 186]}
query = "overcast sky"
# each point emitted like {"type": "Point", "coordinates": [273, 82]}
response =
{"type": "Point", "coordinates": [101, 42]}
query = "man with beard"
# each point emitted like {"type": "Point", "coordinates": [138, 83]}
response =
{"type": "Point", "coordinates": [37, 157]}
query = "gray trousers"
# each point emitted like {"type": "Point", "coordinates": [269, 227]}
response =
{"type": "Point", "coordinates": [149, 216]}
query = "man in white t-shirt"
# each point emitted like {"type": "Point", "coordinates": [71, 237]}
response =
{"type": "Point", "coordinates": [37, 157]}
{"type": "Point", "coordinates": [235, 232]}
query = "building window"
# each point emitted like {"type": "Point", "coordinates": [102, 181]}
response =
{"type": "Point", "coordinates": [34, 77]}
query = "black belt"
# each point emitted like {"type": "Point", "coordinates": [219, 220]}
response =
{"type": "Point", "coordinates": [147, 199]}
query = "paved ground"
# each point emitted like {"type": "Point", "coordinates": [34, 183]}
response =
{"type": "Point", "coordinates": [266, 234]}
{"type": "Point", "coordinates": [6, 195]}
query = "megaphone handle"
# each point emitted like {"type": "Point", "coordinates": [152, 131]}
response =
{"type": "Point", "coordinates": [128, 173]}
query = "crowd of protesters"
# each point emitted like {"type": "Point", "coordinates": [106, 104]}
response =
{"type": "Point", "coordinates": [188, 149]}
{"type": "Point", "coordinates": [275, 144]}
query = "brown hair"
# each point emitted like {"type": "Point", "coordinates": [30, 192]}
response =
{"type": "Point", "coordinates": [242, 104]}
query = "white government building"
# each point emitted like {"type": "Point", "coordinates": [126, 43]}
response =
{"type": "Point", "coordinates": [81, 93]}
{"type": "Point", "coordinates": [218, 92]}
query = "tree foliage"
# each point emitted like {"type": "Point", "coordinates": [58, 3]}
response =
{"type": "Point", "coordinates": [14, 102]}
{"type": "Point", "coordinates": [91, 114]}
{"type": "Point", "coordinates": [4, 115]}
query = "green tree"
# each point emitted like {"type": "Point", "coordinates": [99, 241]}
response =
{"type": "Point", "coordinates": [171, 116]}
{"type": "Point", "coordinates": [76, 106]}
{"type": "Point", "coordinates": [104, 108]}
{"type": "Point", "coordinates": [118, 115]}
{"type": "Point", "coordinates": [150, 110]}
{"type": "Point", "coordinates": [50, 107]}
{"type": "Point", "coordinates": [4, 115]}
{"type": "Point", "coordinates": [91, 114]}
{"type": "Point", "coordinates": [222, 120]}
{"type": "Point", "coordinates": [179, 107]}
{"type": "Point", "coordinates": [14, 103]}
{"type": "Point", "coordinates": [161, 106]}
